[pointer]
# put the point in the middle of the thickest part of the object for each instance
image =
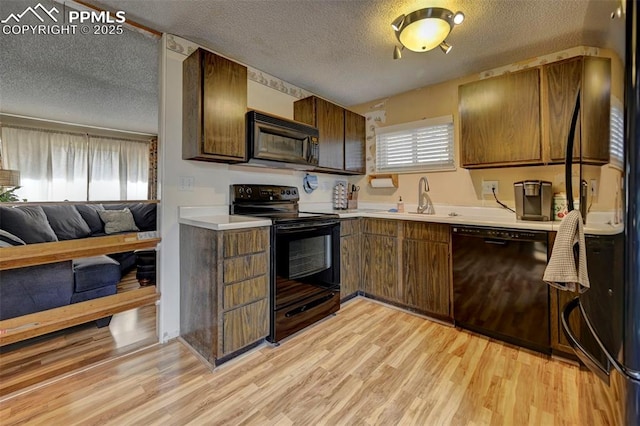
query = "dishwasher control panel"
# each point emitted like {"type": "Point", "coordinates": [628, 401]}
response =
{"type": "Point", "coordinates": [500, 233]}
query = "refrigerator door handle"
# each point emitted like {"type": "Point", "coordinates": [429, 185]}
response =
{"type": "Point", "coordinates": [585, 356]}
{"type": "Point", "coordinates": [568, 159]}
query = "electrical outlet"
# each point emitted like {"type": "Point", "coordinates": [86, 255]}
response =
{"type": "Point", "coordinates": [488, 186]}
{"type": "Point", "coordinates": [593, 187]}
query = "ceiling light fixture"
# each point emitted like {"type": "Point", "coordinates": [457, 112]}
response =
{"type": "Point", "coordinates": [445, 47]}
{"type": "Point", "coordinates": [425, 29]}
{"type": "Point", "coordinates": [397, 54]}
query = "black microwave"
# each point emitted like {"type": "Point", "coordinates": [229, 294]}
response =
{"type": "Point", "coordinates": [271, 138]}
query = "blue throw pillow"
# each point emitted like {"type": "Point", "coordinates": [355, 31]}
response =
{"type": "Point", "coordinates": [28, 223]}
{"type": "Point", "coordinates": [66, 222]}
{"type": "Point", "coordinates": [89, 213]}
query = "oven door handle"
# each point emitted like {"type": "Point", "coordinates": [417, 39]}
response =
{"type": "Point", "coordinates": [317, 302]}
{"type": "Point", "coordinates": [301, 228]}
{"type": "Point", "coordinates": [496, 242]}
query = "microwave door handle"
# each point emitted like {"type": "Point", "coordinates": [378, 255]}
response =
{"type": "Point", "coordinates": [306, 148]}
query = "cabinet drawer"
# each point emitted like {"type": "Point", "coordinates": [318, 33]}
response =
{"type": "Point", "coordinates": [426, 231]}
{"type": "Point", "coordinates": [242, 268]}
{"type": "Point", "coordinates": [350, 226]}
{"type": "Point", "coordinates": [244, 292]}
{"type": "Point", "coordinates": [247, 241]}
{"type": "Point", "coordinates": [245, 325]}
{"type": "Point", "coordinates": [384, 227]}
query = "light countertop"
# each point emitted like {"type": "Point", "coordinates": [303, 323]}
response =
{"type": "Point", "coordinates": [218, 219]}
{"type": "Point", "coordinates": [597, 223]}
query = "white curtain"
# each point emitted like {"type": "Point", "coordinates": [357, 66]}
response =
{"type": "Point", "coordinates": [119, 170]}
{"type": "Point", "coordinates": [52, 165]}
{"type": "Point", "coordinates": [56, 166]}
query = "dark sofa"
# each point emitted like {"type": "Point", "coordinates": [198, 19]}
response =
{"type": "Point", "coordinates": [37, 288]}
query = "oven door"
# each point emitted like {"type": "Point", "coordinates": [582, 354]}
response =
{"type": "Point", "coordinates": [305, 275]}
{"type": "Point", "coordinates": [308, 253]}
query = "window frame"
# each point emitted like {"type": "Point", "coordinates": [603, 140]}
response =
{"type": "Point", "coordinates": [410, 130]}
{"type": "Point", "coordinates": [615, 160]}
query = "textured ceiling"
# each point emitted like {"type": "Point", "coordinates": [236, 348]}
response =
{"type": "Point", "coordinates": [342, 49]}
{"type": "Point", "coordinates": [98, 80]}
{"type": "Point", "coordinates": [338, 49]}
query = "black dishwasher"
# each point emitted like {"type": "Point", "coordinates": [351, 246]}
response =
{"type": "Point", "coordinates": [497, 284]}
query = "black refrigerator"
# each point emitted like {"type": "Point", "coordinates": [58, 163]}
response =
{"type": "Point", "coordinates": [609, 345]}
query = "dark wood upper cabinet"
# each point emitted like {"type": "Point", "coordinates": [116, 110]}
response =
{"type": "Point", "coordinates": [500, 120]}
{"type": "Point", "coordinates": [502, 117]}
{"type": "Point", "coordinates": [214, 108]}
{"type": "Point", "coordinates": [561, 84]}
{"type": "Point", "coordinates": [341, 140]}
{"type": "Point", "coordinates": [354, 142]}
{"type": "Point", "coordinates": [596, 110]}
{"type": "Point", "coordinates": [592, 76]}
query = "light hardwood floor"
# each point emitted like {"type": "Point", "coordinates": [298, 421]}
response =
{"type": "Point", "coordinates": [370, 364]}
{"type": "Point", "coordinates": [50, 356]}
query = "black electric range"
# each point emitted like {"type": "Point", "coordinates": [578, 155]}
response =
{"type": "Point", "coordinates": [305, 256]}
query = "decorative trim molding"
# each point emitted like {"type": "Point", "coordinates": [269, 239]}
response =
{"type": "Point", "coordinates": [180, 45]}
{"type": "Point", "coordinates": [541, 60]}
{"type": "Point", "coordinates": [373, 119]}
{"type": "Point", "coordinates": [276, 83]}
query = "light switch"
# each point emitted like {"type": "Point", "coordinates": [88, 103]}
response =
{"type": "Point", "coordinates": [187, 183]}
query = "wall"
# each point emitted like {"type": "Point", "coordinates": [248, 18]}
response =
{"type": "Point", "coordinates": [211, 180]}
{"type": "Point", "coordinates": [463, 187]}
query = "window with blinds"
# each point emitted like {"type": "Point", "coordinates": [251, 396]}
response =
{"type": "Point", "coordinates": [425, 145]}
{"type": "Point", "coordinates": [616, 144]}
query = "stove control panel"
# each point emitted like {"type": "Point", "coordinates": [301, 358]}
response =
{"type": "Point", "coordinates": [263, 193]}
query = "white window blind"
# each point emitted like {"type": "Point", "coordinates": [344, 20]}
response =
{"type": "Point", "coordinates": [616, 144]}
{"type": "Point", "coordinates": [425, 145]}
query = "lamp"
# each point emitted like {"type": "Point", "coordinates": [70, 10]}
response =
{"type": "Point", "coordinates": [9, 178]}
{"type": "Point", "coordinates": [425, 29]}
{"type": "Point", "coordinates": [9, 182]}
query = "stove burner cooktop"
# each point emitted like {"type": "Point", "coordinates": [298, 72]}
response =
{"type": "Point", "coordinates": [279, 203]}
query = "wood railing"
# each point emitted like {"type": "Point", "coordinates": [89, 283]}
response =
{"type": "Point", "coordinates": [16, 329]}
{"type": "Point", "coordinates": [42, 253]}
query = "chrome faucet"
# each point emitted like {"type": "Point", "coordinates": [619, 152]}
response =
{"type": "Point", "coordinates": [424, 201]}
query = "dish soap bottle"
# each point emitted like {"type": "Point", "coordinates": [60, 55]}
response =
{"type": "Point", "coordinates": [400, 205]}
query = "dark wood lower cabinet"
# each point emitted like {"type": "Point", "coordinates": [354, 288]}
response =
{"type": "Point", "coordinates": [558, 299]}
{"type": "Point", "coordinates": [350, 257]}
{"type": "Point", "coordinates": [408, 264]}
{"type": "Point", "coordinates": [380, 267]}
{"type": "Point", "coordinates": [425, 268]}
{"type": "Point", "coordinates": [224, 290]}
{"type": "Point", "coordinates": [244, 325]}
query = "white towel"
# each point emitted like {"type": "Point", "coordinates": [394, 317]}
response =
{"type": "Point", "coordinates": [561, 270]}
